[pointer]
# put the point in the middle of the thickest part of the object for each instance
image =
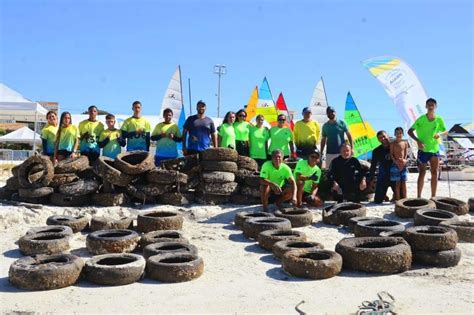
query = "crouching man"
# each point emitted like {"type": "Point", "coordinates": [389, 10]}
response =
{"type": "Point", "coordinates": [276, 183]}
{"type": "Point", "coordinates": [308, 176]}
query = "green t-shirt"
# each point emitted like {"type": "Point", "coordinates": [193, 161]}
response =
{"type": "Point", "coordinates": [258, 138]}
{"type": "Point", "coordinates": [305, 169]}
{"type": "Point", "coordinates": [425, 131]}
{"type": "Point", "coordinates": [276, 176]}
{"type": "Point", "coordinates": [280, 138]}
{"type": "Point", "coordinates": [90, 132]}
{"type": "Point", "coordinates": [112, 148]}
{"type": "Point", "coordinates": [242, 130]}
{"type": "Point", "coordinates": [68, 138]}
{"type": "Point", "coordinates": [227, 134]}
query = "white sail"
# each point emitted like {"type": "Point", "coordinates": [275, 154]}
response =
{"type": "Point", "coordinates": [319, 103]}
{"type": "Point", "coordinates": [173, 97]}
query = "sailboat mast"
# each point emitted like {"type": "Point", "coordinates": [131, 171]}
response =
{"type": "Point", "coordinates": [189, 90]}
{"type": "Point", "coordinates": [324, 88]}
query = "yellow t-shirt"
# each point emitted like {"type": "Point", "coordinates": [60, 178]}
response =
{"type": "Point", "coordinates": [90, 132]}
{"type": "Point", "coordinates": [306, 134]}
{"type": "Point", "coordinates": [137, 141]}
{"type": "Point", "coordinates": [49, 134]}
{"type": "Point", "coordinates": [112, 148]}
{"type": "Point", "coordinates": [166, 147]}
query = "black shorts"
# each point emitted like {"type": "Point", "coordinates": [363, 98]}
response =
{"type": "Point", "coordinates": [92, 156]}
{"type": "Point", "coordinates": [65, 153]}
{"type": "Point", "coordinates": [242, 147]}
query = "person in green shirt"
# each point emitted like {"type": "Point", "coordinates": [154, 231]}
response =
{"type": "Point", "coordinates": [48, 134]}
{"type": "Point", "coordinates": [429, 129]}
{"type": "Point", "coordinates": [258, 140]}
{"type": "Point", "coordinates": [307, 176]}
{"type": "Point", "coordinates": [110, 139]}
{"type": "Point", "coordinates": [242, 130]}
{"type": "Point", "coordinates": [276, 182]}
{"type": "Point", "coordinates": [67, 139]}
{"type": "Point", "coordinates": [90, 130]}
{"type": "Point", "coordinates": [136, 130]}
{"type": "Point", "coordinates": [281, 137]}
{"type": "Point", "coordinates": [226, 132]}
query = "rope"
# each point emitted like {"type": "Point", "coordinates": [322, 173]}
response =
{"type": "Point", "coordinates": [378, 307]}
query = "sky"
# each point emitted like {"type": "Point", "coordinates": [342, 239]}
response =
{"type": "Point", "coordinates": [112, 52]}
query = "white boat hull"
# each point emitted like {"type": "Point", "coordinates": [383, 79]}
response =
{"type": "Point", "coordinates": [462, 174]}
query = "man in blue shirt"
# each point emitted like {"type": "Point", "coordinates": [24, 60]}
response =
{"type": "Point", "coordinates": [333, 135]}
{"type": "Point", "coordinates": [201, 131]}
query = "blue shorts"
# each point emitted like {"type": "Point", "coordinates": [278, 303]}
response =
{"type": "Point", "coordinates": [397, 175]}
{"type": "Point", "coordinates": [425, 157]}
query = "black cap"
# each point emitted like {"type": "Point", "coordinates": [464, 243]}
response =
{"type": "Point", "coordinates": [330, 109]}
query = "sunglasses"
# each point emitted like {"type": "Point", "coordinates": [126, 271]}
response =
{"type": "Point", "coordinates": [314, 156]}
{"type": "Point", "coordinates": [281, 119]}
{"type": "Point", "coordinates": [243, 116]}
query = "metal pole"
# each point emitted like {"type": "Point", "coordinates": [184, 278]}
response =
{"type": "Point", "coordinates": [219, 70]}
{"type": "Point", "coordinates": [189, 89]}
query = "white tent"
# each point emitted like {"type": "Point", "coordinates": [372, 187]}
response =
{"type": "Point", "coordinates": [15, 107]}
{"type": "Point", "coordinates": [22, 135]}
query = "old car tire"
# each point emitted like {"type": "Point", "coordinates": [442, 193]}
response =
{"type": "Point", "coordinates": [12, 183]}
{"type": "Point", "coordinates": [166, 177]}
{"type": "Point", "coordinates": [253, 226]}
{"type": "Point", "coordinates": [375, 254]}
{"type": "Point", "coordinates": [464, 229]}
{"type": "Point", "coordinates": [162, 236]}
{"type": "Point", "coordinates": [240, 217]}
{"type": "Point", "coordinates": [453, 205]}
{"type": "Point", "coordinates": [79, 188]}
{"type": "Point", "coordinates": [44, 243]}
{"type": "Point", "coordinates": [72, 165]}
{"type": "Point", "coordinates": [280, 248]}
{"type": "Point", "coordinates": [374, 227]}
{"type": "Point", "coordinates": [443, 258]}
{"type": "Point", "coordinates": [174, 267]}
{"type": "Point", "coordinates": [432, 216]}
{"type": "Point", "coordinates": [103, 223]}
{"type": "Point", "coordinates": [353, 221]}
{"type": "Point", "coordinates": [312, 264]}
{"type": "Point", "coordinates": [112, 241]}
{"type": "Point", "coordinates": [219, 154]}
{"type": "Point", "coordinates": [36, 161]}
{"type": "Point", "coordinates": [430, 238]}
{"type": "Point", "coordinates": [267, 238]}
{"type": "Point", "coordinates": [219, 188]}
{"type": "Point", "coordinates": [104, 167]}
{"type": "Point", "coordinates": [61, 179]}
{"type": "Point", "coordinates": [35, 192]}
{"type": "Point", "coordinates": [168, 247]}
{"type": "Point", "coordinates": [77, 223]}
{"type": "Point", "coordinates": [346, 210]}
{"type": "Point", "coordinates": [115, 269]}
{"type": "Point", "coordinates": [45, 272]}
{"type": "Point", "coordinates": [220, 166]}
{"type": "Point", "coordinates": [134, 162]}
{"type": "Point", "coordinates": [109, 199]}
{"type": "Point", "coordinates": [62, 229]}
{"type": "Point", "coordinates": [218, 177]}
{"type": "Point", "coordinates": [297, 217]}
{"type": "Point", "coordinates": [159, 220]}
{"type": "Point", "coordinates": [247, 163]}
{"type": "Point", "coordinates": [63, 200]}
{"type": "Point", "coordinates": [406, 208]}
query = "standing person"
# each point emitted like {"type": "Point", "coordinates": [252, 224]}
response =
{"type": "Point", "coordinates": [226, 132]}
{"type": "Point", "coordinates": [333, 135]}
{"type": "Point", "coordinates": [429, 130]}
{"type": "Point", "coordinates": [201, 131]}
{"type": "Point", "coordinates": [258, 140]}
{"type": "Point", "coordinates": [276, 182]}
{"type": "Point", "coordinates": [48, 134]}
{"type": "Point", "coordinates": [307, 176]}
{"type": "Point", "coordinates": [136, 130]}
{"type": "Point", "coordinates": [382, 160]}
{"type": "Point", "coordinates": [281, 137]}
{"type": "Point", "coordinates": [306, 134]}
{"type": "Point", "coordinates": [67, 139]}
{"type": "Point", "coordinates": [110, 140]}
{"type": "Point", "coordinates": [242, 131]}
{"type": "Point", "coordinates": [398, 170]}
{"type": "Point", "coordinates": [347, 176]}
{"type": "Point", "coordinates": [90, 130]}
{"type": "Point", "coordinates": [167, 135]}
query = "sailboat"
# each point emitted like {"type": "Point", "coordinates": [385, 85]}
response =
{"type": "Point", "coordinates": [319, 103]}
{"type": "Point", "coordinates": [251, 108]}
{"type": "Point", "coordinates": [363, 135]}
{"type": "Point", "coordinates": [173, 99]}
{"type": "Point", "coordinates": [281, 107]}
{"type": "Point", "coordinates": [266, 105]}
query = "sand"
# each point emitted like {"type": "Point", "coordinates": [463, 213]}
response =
{"type": "Point", "coordinates": [239, 276]}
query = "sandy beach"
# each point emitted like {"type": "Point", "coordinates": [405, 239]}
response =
{"type": "Point", "coordinates": [239, 276]}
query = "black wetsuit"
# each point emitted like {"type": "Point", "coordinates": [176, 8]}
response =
{"type": "Point", "coordinates": [381, 159]}
{"type": "Point", "coordinates": [348, 174]}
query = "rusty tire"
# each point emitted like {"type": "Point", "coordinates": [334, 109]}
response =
{"type": "Point", "coordinates": [112, 241]}
{"type": "Point", "coordinates": [280, 248]}
{"type": "Point", "coordinates": [240, 217]}
{"type": "Point", "coordinates": [134, 162]}
{"type": "Point", "coordinates": [312, 264]}
{"type": "Point", "coordinates": [77, 224]}
{"type": "Point", "coordinates": [353, 221]}
{"type": "Point", "coordinates": [219, 154]}
{"type": "Point", "coordinates": [253, 226]}
{"type": "Point", "coordinates": [432, 216]}
{"type": "Point", "coordinates": [51, 229]}
{"type": "Point", "coordinates": [430, 238]}
{"type": "Point", "coordinates": [247, 163]}
{"type": "Point", "coordinates": [464, 229]}
{"type": "Point", "coordinates": [267, 238]}
{"type": "Point", "coordinates": [218, 177]}
{"type": "Point", "coordinates": [79, 188]}
{"type": "Point", "coordinates": [166, 177]}
{"type": "Point", "coordinates": [62, 179]}
{"type": "Point", "coordinates": [72, 165]}
{"type": "Point", "coordinates": [297, 217]}
{"type": "Point", "coordinates": [115, 269]}
{"type": "Point", "coordinates": [44, 243]}
{"type": "Point", "coordinates": [159, 220]}
{"type": "Point", "coordinates": [406, 208]}
{"type": "Point", "coordinates": [174, 267]}
{"type": "Point", "coordinates": [104, 167]}
{"type": "Point", "coordinates": [27, 167]}
{"type": "Point", "coordinates": [453, 205]}
{"type": "Point", "coordinates": [103, 223]}
{"type": "Point", "coordinates": [162, 236]}
{"type": "Point", "coordinates": [220, 166]}
{"type": "Point", "coordinates": [374, 227]}
{"type": "Point", "coordinates": [159, 248]}
{"type": "Point", "coordinates": [443, 258]}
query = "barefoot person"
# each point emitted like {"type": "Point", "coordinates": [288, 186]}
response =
{"type": "Point", "coordinates": [398, 170]}
{"type": "Point", "coordinates": [276, 182]}
{"type": "Point", "coordinates": [429, 129]}
{"type": "Point", "coordinates": [381, 161]}
{"type": "Point", "coordinates": [136, 130]}
{"type": "Point", "coordinates": [308, 176]}
{"type": "Point", "coordinates": [48, 134]}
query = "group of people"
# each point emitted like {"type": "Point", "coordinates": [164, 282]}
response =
{"type": "Point", "coordinates": [268, 146]}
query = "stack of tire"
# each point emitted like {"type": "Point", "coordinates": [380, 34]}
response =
{"type": "Point", "coordinates": [248, 178]}
{"type": "Point", "coordinates": [300, 257]}
{"type": "Point", "coordinates": [218, 168]}
{"type": "Point", "coordinates": [433, 245]}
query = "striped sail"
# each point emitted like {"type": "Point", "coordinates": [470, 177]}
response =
{"type": "Point", "coordinates": [251, 108]}
{"type": "Point", "coordinates": [266, 105]}
{"type": "Point", "coordinates": [281, 107]}
{"type": "Point", "coordinates": [364, 137]}
{"type": "Point", "coordinates": [319, 103]}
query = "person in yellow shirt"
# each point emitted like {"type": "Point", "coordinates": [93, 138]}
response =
{"type": "Point", "coordinates": [67, 139]}
{"type": "Point", "coordinates": [167, 135]}
{"type": "Point", "coordinates": [136, 130]}
{"type": "Point", "coordinates": [306, 134]}
{"type": "Point", "coordinates": [110, 140]}
{"type": "Point", "coordinates": [90, 130]}
{"type": "Point", "coordinates": [48, 134]}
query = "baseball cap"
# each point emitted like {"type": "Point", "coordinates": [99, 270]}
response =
{"type": "Point", "coordinates": [330, 109]}
{"type": "Point", "coordinates": [306, 110]}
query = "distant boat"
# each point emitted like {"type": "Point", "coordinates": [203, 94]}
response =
{"type": "Point", "coordinates": [457, 173]}
{"type": "Point", "coordinates": [265, 104]}
{"type": "Point", "coordinates": [319, 103]}
{"type": "Point", "coordinates": [363, 135]}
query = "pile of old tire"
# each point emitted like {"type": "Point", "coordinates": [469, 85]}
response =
{"type": "Point", "coordinates": [341, 213]}
{"type": "Point", "coordinates": [433, 245]}
{"type": "Point", "coordinates": [248, 179]}
{"type": "Point", "coordinates": [218, 168]}
{"type": "Point", "coordinates": [375, 254]}
{"type": "Point", "coordinates": [406, 208]}
{"type": "Point", "coordinates": [453, 205]}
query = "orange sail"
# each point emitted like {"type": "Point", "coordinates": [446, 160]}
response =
{"type": "Point", "coordinates": [251, 108]}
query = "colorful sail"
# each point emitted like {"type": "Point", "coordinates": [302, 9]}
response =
{"type": "Point", "coordinates": [319, 103]}
{"type": "Point", "coordinates": [251, 108]}
{"type": "Point", "coordinates": [173, 99]}
{"type": "Point", "coordinates": [363, 135]}
{"type": "Point", "coordinates": [281, 107]}
{"type": "Point", "coordinates": [266, 105]}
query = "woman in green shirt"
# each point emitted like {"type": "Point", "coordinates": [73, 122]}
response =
{"type": "Point", "coordinates": [226, 132]}
{"type": "Point", "coordinates": [242, 130]}
{"type": "Point", "coordinates": [258, 141]}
